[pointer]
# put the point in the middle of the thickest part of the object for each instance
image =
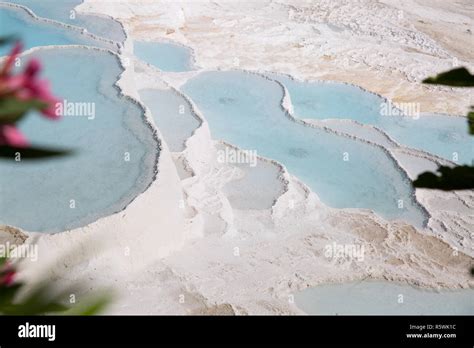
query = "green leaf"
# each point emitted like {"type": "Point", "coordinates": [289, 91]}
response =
{"type": "Point", "coordinates": [31, 153]}
{"type": "Point", "coordinates": [457, 178]}
{"type": "Point", "coordinates": [7, 294]}
{"type": "Point", "coordinates": [459, 77]}
{"type": "Point", "coordinates": [38, 302]}
{"type": "Point", "coordinates": [3, 260]}
{"type": "Point", "coordinates": [7, 39]}
{"type": "Point", "coordinates": [13, 109]}
{"type": "Point", "coordinates": [44, 299]}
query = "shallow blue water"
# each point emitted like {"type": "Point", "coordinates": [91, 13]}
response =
{"type": "Point", "coordinates": [441, 135]}
{"type": "Point", "coordinates": [244, 109]}
{"type": "Point", "coordinates": [172, 115]}
{"type": "Point", "coordinates": [445, 136]}
{"type": "Point", "coordinates": [35, 33]}
{"type": "Point", "coordinates": [383, 298]}
{"type": "Point", "coordinates": [165, 56]}
{"type": "Point", "coordinates": [36, 195]}
{"type": "Point", "coordinates": [63, 11]}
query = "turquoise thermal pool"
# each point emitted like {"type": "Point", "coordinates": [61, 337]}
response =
{"type": "Point", "coordinates": [115, 150]}
{"type": "Point", "coordinates": [34, 33]}
{"type": "Point", "coordinates": [383, 298]}
{"type": "Point", "coordinates": [163, 55]}
{"type": "Point", "coordinates": [172, 115]}
{"type": "Point", "coordinates": [64, 11]}
{"type": "Point", "coordinates": [244, 110]}
{"type": "Point", "coordinates": [445, 136]}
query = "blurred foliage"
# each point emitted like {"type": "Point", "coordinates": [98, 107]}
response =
{"type": "Point", "coordinates": [7, 40]}
{"type": "Point", "coordinates": [13, 110]}
{"type": "Point", "coordinates": [459, 77]}
{"type": "Point", "coordinates": [458, 177]}
{"type": "Point", "coordinates": [31, 153]}
{"type": "Point", "coordinates": [14, 106]}
{"type": "Point", "coordinates": [43, 298]}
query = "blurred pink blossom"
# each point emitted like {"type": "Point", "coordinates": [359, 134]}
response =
{"type": "Point", "coordinates": [7, 275]}
{"type": "Point", "coordinates": [26, 85]}
{"type": "Point", "coordinates": [11, 136]}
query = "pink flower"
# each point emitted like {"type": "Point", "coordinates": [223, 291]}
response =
{"type": "Point", "coordinates": [7, 275]}
{"type": "Point", "coordinates": [26, 85]}
{"type": "Point", "coordinates": [33, 88]}
{"type": "Point", "coordinates": [8, 278]}
{"type": "Point", "coordinates": [33, 68]}
{"type": "Point", "coordinates": [11, 136]}
{"type": "Point", "coordinates": [40, 89]}
{"type": "Point", "coordinates": [11, 59]}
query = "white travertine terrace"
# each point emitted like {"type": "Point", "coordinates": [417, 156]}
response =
{"type": "Point", "coordinates": [167, 243]}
